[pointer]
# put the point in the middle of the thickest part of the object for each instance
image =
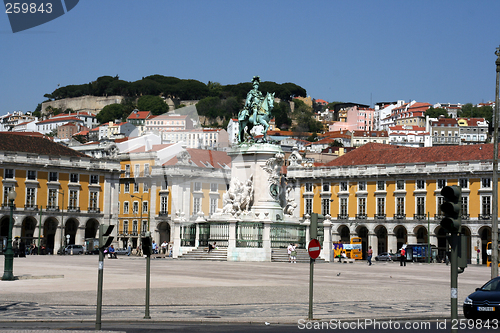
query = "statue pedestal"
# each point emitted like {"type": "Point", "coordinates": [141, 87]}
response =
{"type": "Point", "coordinates": [262, 162]}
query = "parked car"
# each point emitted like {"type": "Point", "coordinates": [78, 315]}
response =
{"type": "Point", "coordinates": [484, 303]}
{"type": "Point", "coordinates": [386, 256]}
{"type": "Point", "coordinates": [77, 249]}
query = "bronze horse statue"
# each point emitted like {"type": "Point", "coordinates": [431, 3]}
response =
{"type": "Point", "coordinates": [247, 120]}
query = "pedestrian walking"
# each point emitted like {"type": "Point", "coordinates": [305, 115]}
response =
{"type": "Point", "coordinates": [293, 254]}
{"type": "Point", "coordinates": [289, 250]}
{"type": "Point", "coordinates": [369, 255]}
{"type": "Point", "coordinates": [403, 256]}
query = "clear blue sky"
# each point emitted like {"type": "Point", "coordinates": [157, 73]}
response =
{"type": "Point", "coordinates": [357, 51]}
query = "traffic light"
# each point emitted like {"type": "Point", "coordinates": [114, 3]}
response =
{"type": "Point", "coordinates": [147, 244]}
{"type": "Point", "coordinates": [451, 207]}
{"type": "Point", "coordinates": [104, 236]}
{"type": "Point", "coordinates": [313, 228]}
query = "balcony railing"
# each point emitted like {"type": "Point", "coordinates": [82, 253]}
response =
{"type": "Point", "coordinates": [465, 216]}
{"type": "Point", "coordinates": [73, 209]}
{"type": "Point", "coordinates": [438, 217]}
{"type": "Point", "coordinates": [419, 217]}
{"type": "Point", "coordinates": [342, 216]}
{"type": "Point", "coordinates": [31, 208]}
{"type": "Point", "coordinates": [163, 213]}
{"type": "Point", "coordinates": [52, 208]}
{"type": "Point", "coordinates": [399, 216]}
{"type": "Point", "coordinates": [94, 210]}
{"type": "Point", "coordinates": [484, 217]}
{"type": "Point", "coordinates": [380, 216]}
{"type": "Point", "coordinates": [361, 216]}
{"type": "Point", "coordinates": [7, 206]}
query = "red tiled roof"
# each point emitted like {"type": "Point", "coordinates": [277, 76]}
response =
{"type": "Point", "coordinates": [139, 115]}
{"type": "Point", "coordinates": [201, 156]}
{"type": "Point", "coordinates": [36, 144]}
{"type": "Point", "coordinates": [377, 153]}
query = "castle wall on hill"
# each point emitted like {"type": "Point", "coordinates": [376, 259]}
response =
{"type": "Point", "coordinates": [92, 104]}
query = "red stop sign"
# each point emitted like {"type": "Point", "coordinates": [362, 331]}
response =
{"type": "Point", "coordinates": [314, 248]}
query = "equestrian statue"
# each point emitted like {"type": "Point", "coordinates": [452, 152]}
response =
{"type": "Point", "coordinates": [257, 111]}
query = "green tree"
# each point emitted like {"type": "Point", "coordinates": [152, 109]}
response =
{"type": "Point", "coordinates": [436, 112]}
{"type": "Point", "coordinates": [111, 112]}
{"type": "Point", "coordinates": [155, 104]}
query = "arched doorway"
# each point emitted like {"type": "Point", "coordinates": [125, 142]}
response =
{"type": "Point", "coordinates": [4, 226]}
{"type": "Point", "coordinates": [91, 228]}
{"type": "Point", "coordinates": [164, 231]}
{"type": "Point", "coordinates": [70, 229]}
{"type": "Point", "coordinates": [381, 233]}
{"type": "Point", "coordinates": [466, 231]}
{"type": "Point", "coordinates": [401, 236]}
{"type": "Point", "coordinates": [485, 234]}
{"type": "Point", "coordinates": [442, 244]}
{"type": "Point", "coordinates": [362, 232]}
{"type": "Point", "coordinates": [49, 234]}
{"type": "Point", "coordinates": [345, 234]}
{"type": "Point", "coordinates": [420, 234]}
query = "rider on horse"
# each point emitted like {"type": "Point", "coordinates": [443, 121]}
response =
{"type": "Point", "coordinates": [254, 99]}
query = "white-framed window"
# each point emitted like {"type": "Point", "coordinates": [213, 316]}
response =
{"type": "Point", "coordinates": [308, 205]}
{"type": "Point", "coordinates": [125, 227]}
{"type": "Point", "coordinates": [213, 205]}
{"type": "Point", "coordinates": [400, 206]}
{"type": "Point", "coordinates": [136, 187]}
{"type": "Point", "coordinates": [94, 179]}
{"type": "Point", "coordinates": [309, 187]}
{"type": "Point", "coordinates": [73, 199]}
{"type": "Point", "coordinates": [73, 178]}
{"type": "Point", "coordinates": [380, 206]}
{"type": "Point", "coordinates": [6, 190]}
{"type": "Point", "coordinates": [343, 186]}
{"type": "Point", "coordinates": [9, 174]}
{"type": "Point", "coordinates": [125, 207]}
{"type": "Point", "coordinates": [362, 206]}
{"type": "Point", "coordinates": [465, 205]}
{"type": "Point", "coordinates": [420, 206]}
{"type": "Point", "coordinates": [326, 187]}
{"type": "Point", "coordinates": [144, 207]}
{"type": "Point", "coordinates": [325, 207]}
{"type": "Point", "coordinates": [94, 204]}
{"type": "Point", "coordinates": [485, 182]}
{"type": "Point", "coordinates": [486, 205]}
{"type": "Point", "coordinates": [31, 175]}
{"type": "Point", "coordinates": [53, 176]}
{"type": "Point", "coordinates": [441, 183]}
{"type": "Point", "coordinates": [146, 169]}
{"type": "Point", "coordinates": [135, 227]}
{"type": "Point", "coordinates": [135, 207]}
{"type": "Point", "coordinates": [52, 198]}
{"type": "Point", "coordinates": [362, 185]}
{"type": "Point", "coordinates": [137, 170]}
{"type": "Point", "coordinates": [164, 204]}
{"type": "Point", "coordinates": [343, 206]}
{"type": "Point", "coordinates": [144, 226]}
{"type": "Point", "coordinates": [197, 186]}
{"type": "Point", "coordinates": [196, 205]}
{"type": "Point", "coordinates": [380, 185]}
{"type": "Point", "coordinates": [214, 187]}
{"type": "Point", "coordinates": [145, 187]}
{"type": "Point", "coordinates": [30, 197]}
{"type": "Point", "coordinates": [127, 170]}
{"type": "Point", "coordinates": [400, 184]}
{"type": "Point", "coordinates": [463, 182]}
{"type": "Point", "coordinates": [127, 187]}
{"type": "Point", "coordinates": [420, 184]}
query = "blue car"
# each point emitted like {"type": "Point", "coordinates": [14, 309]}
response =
{"type": "Point", "coordinates": [484, 303]}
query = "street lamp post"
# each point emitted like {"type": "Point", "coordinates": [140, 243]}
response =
{"type": "Point", "coordinates": [8, 272]}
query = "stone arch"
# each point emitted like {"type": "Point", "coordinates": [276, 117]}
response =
{"type": "Point", "coordinates": [467, 232]}
{"type": "Point", "coordinates": [91, 228]}
{"type": "Point", "coordinates": [163, 229]}
{"type": "Point", "coordinates": [49, 233]}
{"type": "Point", "coordinates": [71, 228]}
{"type": "Point", "coordinates": [485, 235]}
{"type": "Point", "coordinates": [381, 233]}
{"type": "Point", "coordinates": [344, 234]}
{"type": "Point", "coordinates": [4, 226]}
{"type": "Point", "coordinates": [441, 242]}
{"type": "Point", "coordinates": [420, 234]}
{"type": "Point", "coordinates": [362, 232]}
{"type": "Point", "coordinates": [401, 235]}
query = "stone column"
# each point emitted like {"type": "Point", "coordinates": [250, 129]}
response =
{"type": "Point", "coordinates": [266, 240]}
{"type": "Point", "coordinates": [177, 238]}
{"type": "Point", "coordinates": [373, 242]}
{"type": "Point", "coordinates": [475, 244]}
{"type": "Point", "coordinates": [411, 238]}
{"type": "Point", "coordinates": [392, 243]}
{"type": "Point", "coordinates": [307, 223]}
{"type": "Point", "coordinates": [231, 247]}
{"type": "Point", "coordinates": [327, 241]}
